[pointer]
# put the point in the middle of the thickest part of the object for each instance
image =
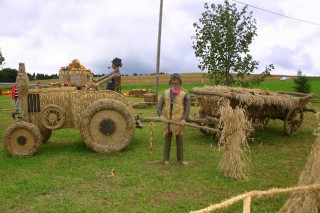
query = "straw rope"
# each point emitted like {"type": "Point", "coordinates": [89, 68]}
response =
{"type": "Point", "coordinates": [252, 194]}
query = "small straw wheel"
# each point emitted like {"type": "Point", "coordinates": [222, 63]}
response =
{"type": "Point", "coordinates": [22, 139]}
{"type": "Point", "coordinates": [293, 121]}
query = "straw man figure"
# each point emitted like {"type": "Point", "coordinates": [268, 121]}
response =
{"type": "Point", "coordinates": [174, 105]}
{"type": "Point", "coordinates": [115, 82]}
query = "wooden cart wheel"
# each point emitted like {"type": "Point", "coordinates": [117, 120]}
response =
{"type": "Point", "coordinates": [293, 121]}
{"type": "Point", "coordinates": [52, 117]}
{"type": "Point", "coordinates": [108, 126]}
{"type": "Point", "coordinates": [22, 139]}
{"type": "Point", "coordinates": [45, 133]}
{"type": "Point", "coordinates": [260, 122]}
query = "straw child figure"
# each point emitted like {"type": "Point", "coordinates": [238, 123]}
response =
{"type": "Point", "coordinates": [174, 105]}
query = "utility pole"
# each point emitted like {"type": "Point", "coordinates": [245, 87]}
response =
{"type": "Point", "coordinates": [158, 51]}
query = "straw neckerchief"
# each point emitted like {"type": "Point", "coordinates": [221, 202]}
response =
{"type": "Point", "coordinates": [175, 91]}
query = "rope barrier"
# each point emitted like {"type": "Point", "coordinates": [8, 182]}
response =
{"type": "Point", "coordinates": [249, 195]}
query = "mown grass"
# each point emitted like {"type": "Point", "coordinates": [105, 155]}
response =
{"type": "Point", "coordinates": [66, 176]}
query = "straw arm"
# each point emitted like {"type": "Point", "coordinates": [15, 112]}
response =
{"type": "Point", "coordinates": [157, 119]}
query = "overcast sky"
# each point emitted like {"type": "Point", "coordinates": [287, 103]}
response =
{"type": "Point", "coordinates": [47, 35]}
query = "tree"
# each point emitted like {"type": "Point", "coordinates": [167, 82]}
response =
{"type": "Point", "coordinates": [2, 59]}
{"type": "Point", "coordinates": [302, 83]}
{"type": "Point", "coordinates": [8, 75]}
{"type": "Point", "coordinates": [222, 40]}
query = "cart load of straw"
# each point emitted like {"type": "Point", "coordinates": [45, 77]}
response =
{"type": "Point", "coordinates": [257, 103]}
{"type": "Point", "coordinates": [75, 73]}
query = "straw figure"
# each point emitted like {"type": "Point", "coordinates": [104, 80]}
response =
{"type": "Point", "coordinates": [233, 141]}
{"type": "Point", "coordinates": [307, 201]}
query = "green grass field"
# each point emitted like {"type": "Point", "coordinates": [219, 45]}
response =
{"type": "Point", "coordinates": [66, 176]}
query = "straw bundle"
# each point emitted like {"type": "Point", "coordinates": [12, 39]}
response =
{"type": "Point", "coordinates": [309, 201]}
{"type": "Point", "coordinates": [140, 105]}
{"type": "Point", "coordinates": [233, 141]}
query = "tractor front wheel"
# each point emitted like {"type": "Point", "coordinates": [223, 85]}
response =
{"type": "Point", "coordinates": [22, 139]}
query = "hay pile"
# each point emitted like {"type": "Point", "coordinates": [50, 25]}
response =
{"type": "Point", "coordinates": [233, 141]}
{"type": "Point", "coordinates": [309, 201]}
{"type": "Point", "coordinates": [139, 92]}
{"type": "Point", "coordinates": [258, 103]}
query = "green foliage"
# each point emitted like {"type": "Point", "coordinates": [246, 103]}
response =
{"type": "Point", "coordinates": [2, 59]}
{"type": "Point", "coordinates": [8, 75]}
{"type": "Point", "coordinates": [222, 40]}
{"type": "Point", "coordinates": [302, 83]}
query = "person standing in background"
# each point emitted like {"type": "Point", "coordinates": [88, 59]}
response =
{"type": "Point", "coordinates": [15, 97]}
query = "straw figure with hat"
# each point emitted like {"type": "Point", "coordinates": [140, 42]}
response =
{"type": "Point", "coordinates": [112, 79]}
{"type": "Point", "coordinates": [115, 82]}
{"type": "Point", "coordinates": [174, 105]}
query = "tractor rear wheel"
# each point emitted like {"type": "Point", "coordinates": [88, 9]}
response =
{"type": "Point", "coordinates": [108, 126]}
{"type": "Point", "coordinates": [22, 139]}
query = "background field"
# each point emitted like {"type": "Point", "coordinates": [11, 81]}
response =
{"type": "Point", "coordinates": [66, 176]}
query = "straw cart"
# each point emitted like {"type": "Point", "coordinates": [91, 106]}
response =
{"type": "Point", "coordinates": [260, 105]}
{"type": "Point", "coordinates": [104, 118]}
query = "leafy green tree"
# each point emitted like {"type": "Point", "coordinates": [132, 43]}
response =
{"type": "Point", "coordinates": [8, 75]}
{"type": "Point", "coordinates": [221, 41]}
{"type": "Point", "coordinates": [2, 59]}
{"type": "Point", "coordinates": [302, 83]}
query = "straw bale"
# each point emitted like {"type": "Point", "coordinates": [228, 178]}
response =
{"type": "Point", "coordinates": [138, 92]}
{"type": "Point", "coordinates": [140, 105]}
{"type": "Point", "coordinates": [150, 98]}
{"type": "Point", "coordinates": [308, 201]}
{"type": "Point", "coordinates": [233, 141]}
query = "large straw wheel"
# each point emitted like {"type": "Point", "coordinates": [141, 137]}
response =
{"type": "Point", "coordinates": [108, 126]}
{"type": "Point", "coordinates": [22, 139]}
{"type": "Point", "coordinates": [293, 121]}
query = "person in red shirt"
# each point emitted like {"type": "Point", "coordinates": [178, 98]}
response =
{"type": "Point", "coordinates": [15, 97]}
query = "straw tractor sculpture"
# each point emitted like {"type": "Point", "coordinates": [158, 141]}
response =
{"type": "Point", "coordinates": [104, 118]}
